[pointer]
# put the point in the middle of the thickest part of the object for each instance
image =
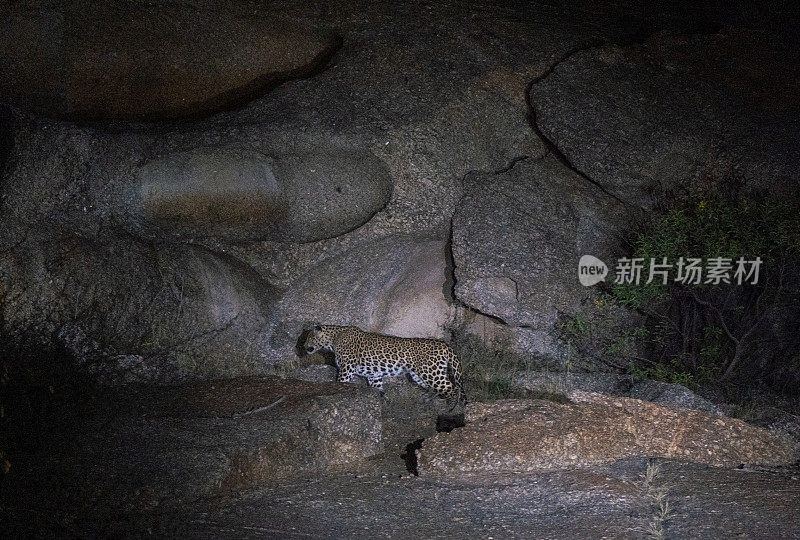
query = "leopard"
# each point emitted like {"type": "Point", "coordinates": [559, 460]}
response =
{"type": "Point", "coordinates": [430, 363]}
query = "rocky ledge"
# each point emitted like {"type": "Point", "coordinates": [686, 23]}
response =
{"type": "Point", "coordinates": [516, 436]}
{"type": "Point", "coordinates": [166, 446]}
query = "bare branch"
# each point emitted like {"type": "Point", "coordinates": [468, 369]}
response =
{"type": "Point", "coordinates": [718, 313]}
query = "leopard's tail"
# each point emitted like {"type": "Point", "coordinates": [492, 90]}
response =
{"type": "Point", "coordinates": [454, 364]}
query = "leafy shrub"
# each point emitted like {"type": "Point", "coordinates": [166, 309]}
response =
{"type": "Point", "coordinates": [699, 334]}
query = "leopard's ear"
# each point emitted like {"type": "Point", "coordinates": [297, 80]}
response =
{"type": "Point", "coordinates": [317, 328]}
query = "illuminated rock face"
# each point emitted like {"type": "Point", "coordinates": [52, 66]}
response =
{"type": "Point", "coordinates": [108, 60]}
{"type": "Point", "coordinates": [241, 194]}
{"type": "Point", "coordinates": [522, 436]}
{"type": "Point", "coordinates": [402, 293]}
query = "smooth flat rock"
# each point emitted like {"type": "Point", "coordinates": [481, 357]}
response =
{"type": "Point", "coordinates": [394, 285]}
{"type": "Point", "coordinates": [131, 60]}
{"type": "Point", "coordinates": [514, 436]}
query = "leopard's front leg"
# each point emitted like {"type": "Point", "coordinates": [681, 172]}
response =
{"type": "Point", "coordinates": [347, 370]}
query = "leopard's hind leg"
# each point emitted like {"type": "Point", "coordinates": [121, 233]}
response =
{"type": "Point", "coordinates": [417, 379]}
{"type": "Point", "coordinates": [421, 382]}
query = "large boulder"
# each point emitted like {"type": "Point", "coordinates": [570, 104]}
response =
{"type": "Point", "coordinates": [395, 285]}
{"type": "Point", "coordinates": [147, 61]}
{"type": "Point", "coordinates": [210, 243]}
{"type": "Point", "coordinates": [676, 112]}
{"type": "Point", "coordinates": [254, 190]}
{"type": "Point", "coordinates": [140, 255]}
{"type": "Point", "coordinates": [528, 435]}
{"type": "Point", "coordinates": [518, 236]}
{"type": "Point", "coordinates": [186, 311]}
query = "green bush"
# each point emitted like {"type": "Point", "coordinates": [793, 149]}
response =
{"type": "Point", "coordinates": [700, 334]}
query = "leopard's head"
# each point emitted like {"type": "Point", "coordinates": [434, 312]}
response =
{"type": "Point", "coordinates": [320, 338]}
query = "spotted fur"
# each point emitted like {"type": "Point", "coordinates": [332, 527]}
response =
{"type": "Point", "coordinates": [430, 363]}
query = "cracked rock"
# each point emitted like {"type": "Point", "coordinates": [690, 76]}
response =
{"type": "Point", "coordinates": [517, 238]}
{"type": "Point", "coordinates": [648, 119]}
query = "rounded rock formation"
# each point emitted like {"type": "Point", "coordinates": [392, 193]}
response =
{"type": "Point", "coordinates": [239, 194]}
{"type": "Point", "coordinates": [108, 60]}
